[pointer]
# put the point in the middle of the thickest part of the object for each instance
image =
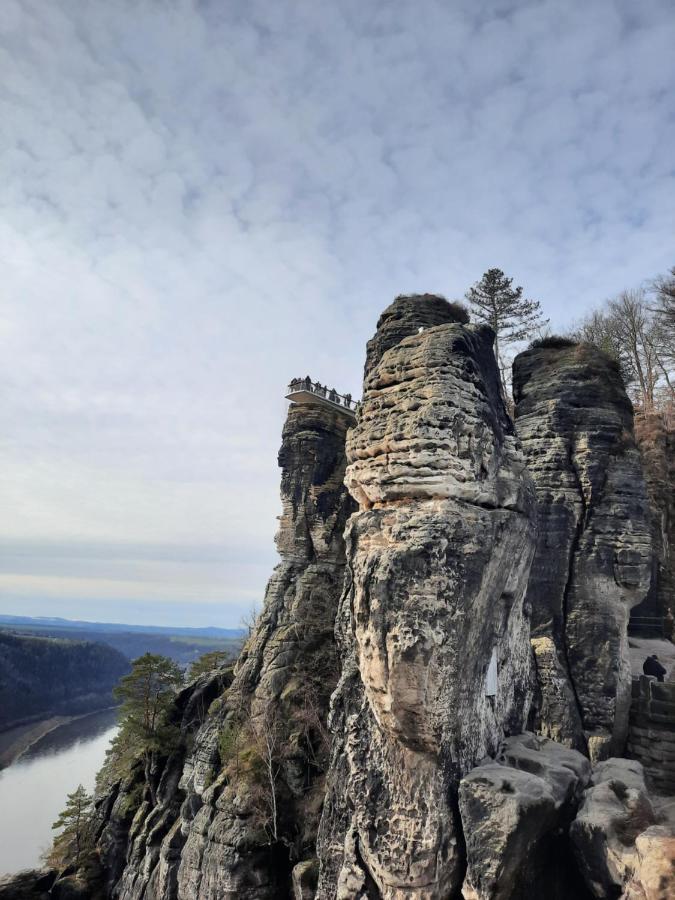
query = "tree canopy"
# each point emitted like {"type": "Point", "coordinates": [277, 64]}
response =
{"type": "Point", "coordinates": [147, 693]}
{"type": "Point", "coordinates": [513, 318]}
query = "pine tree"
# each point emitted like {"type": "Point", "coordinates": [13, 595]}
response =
{"type": "Point", "coordinates": [74, 824]}
{"type": "Point", "coordinates": [207, 662]}
{"type": "Point", "coordinates": [147, 694]}
{"type": "Point", "coordinates": [495, 302]}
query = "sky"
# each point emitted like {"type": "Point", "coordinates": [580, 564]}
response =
{"type": "Point", "coordinates": [201, 200]}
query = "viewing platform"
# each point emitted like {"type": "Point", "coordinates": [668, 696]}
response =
{"type": "Point", "coordinates": [304, 390]}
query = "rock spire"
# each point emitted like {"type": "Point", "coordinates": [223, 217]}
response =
{"type": "Point", "coordinates": [593, 556]}
{"type": "Point", "coordinates": [435, 645]}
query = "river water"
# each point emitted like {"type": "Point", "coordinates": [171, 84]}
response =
{"type": "Point", "coordinates": [33, 789]}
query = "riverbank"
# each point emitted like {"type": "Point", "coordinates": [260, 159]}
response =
{"type": "Point", "coordinates": [15, 742]}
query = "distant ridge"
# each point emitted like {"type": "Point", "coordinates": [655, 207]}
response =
{"type": "Point", "coordinates": [116, 627]}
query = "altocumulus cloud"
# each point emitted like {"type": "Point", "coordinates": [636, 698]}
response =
{"type": "Point", "coordinates": [200, 200]}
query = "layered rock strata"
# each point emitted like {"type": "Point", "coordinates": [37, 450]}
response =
{"type": "Point", "coordinates": [655, 435]}
{"type": "Point", "coordinates": [593, 554]}
{"type": "Point", "coordinates": [651, 734]}
{"type": "Point", "coordinates": [220, 828]}
{"type": "Point", "coordinates": [435, 646]}
{"type": "Point", "coordinates": [283, 681]}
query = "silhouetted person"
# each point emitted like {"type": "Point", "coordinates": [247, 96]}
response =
{"type": "Point", "coordinates": [652, 666]}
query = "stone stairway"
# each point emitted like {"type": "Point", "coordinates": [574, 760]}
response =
{"type": "Point", "coordinates": [651, 735]}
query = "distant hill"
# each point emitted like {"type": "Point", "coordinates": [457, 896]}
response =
{"type": "Point", "coordinates": [109, 627]}
{"type": "Point", "coordinates": [44, 676]}
{"type": "Point", "coordinates": [181, 644]}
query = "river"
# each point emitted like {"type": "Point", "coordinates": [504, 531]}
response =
{"type": "Point", "coordinates": [33, 789]}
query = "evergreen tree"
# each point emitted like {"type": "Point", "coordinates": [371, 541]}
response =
{"type": "Point", "coordinates": [74, 823]}
{"type": "Point", "coordinates": [207, 662]}
{"type": "Point", "coordinates": [147, 694]}
{"type": "Point", "coordinates": [495, 302]}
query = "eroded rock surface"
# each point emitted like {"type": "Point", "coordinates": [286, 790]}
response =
{"type": "Point", "coordinates": [514, 812]}
{"type": "Point", "coordinates": [213, 833]}
{"type": "Point", "coordinates": [615, 810]}
{"type": "Point", "coordinates": [286, 672]}
{"type": "Point", "coordinates": [438, 558]}
{"type": "Point", "coordinates": [593, 555]}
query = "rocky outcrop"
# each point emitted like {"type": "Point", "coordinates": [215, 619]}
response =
{"type": "Point", "coordinates": [220, 827]}
{"type": "Point", "coordinates": [655, 435]}
{"type": "Point", "coordinates": [651, 735]}
{"type": "Point", "coordinates": [237, 842]}
{"type": "Point", "coordinates": [515, 811]}
{"type": "Point", "coordinates": [654, 874]}
{"type": "Point", "coordinates": [615, 810]}
{"type": "Point", "coordinates": [406, 316]}
{"type": "Point", "coordinates": [435, 646]}
{"type": "Point", "coordinates": [593, 554]}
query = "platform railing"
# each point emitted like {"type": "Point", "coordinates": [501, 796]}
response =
{"type": "Point", "coordinates": [647, 626]}
{"type": "Point", "coordinates": [315, 387]}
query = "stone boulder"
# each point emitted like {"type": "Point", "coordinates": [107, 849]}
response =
{"type": "Point", "coordinates": [654, 876]}
{"type": "Point", "coordinates": [31, 884]}
{"type": "Point", "coordinates": [593, 559]}
{"type": "Point", "coordinates": [615, 810]}
{"type": "Point", "coordinates": [435, 645]}
{"type": "Point", "coordinates": [513, 811]}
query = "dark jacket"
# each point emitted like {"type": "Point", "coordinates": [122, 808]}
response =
{"type": "Point", "coordinates": [652, 666]}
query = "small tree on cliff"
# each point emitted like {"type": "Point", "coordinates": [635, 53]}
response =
{"type": "Point", "coordinates": [74, 825]}
{"type": "Point", "coordinates": [208, 662]}
{"type": "Point", "coordinates": [147, 693]}
{"type": "Point", "coordinates": [495, 302]}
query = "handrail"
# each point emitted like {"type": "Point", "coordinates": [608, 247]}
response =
{"type": "Point", "coordinates": [315, 387]}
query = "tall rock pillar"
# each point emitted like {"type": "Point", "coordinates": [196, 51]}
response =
{"type": "Point", "coordinates": [287, 670]}
{"type": "Point", "coordinates": [593, 556]}
{"type": "Point", "coordinates": [435, 646]}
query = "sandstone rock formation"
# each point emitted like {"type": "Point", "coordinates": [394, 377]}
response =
{"type": "Point", "coordinates": [655, 435]}
{"type": "Point", "coordinates": [213, 833]}
{"type": "Point", "coordinates": [651, 735]}
{"type": "Point", "coordinates": [615, 810]}
{"type": "Point", "coordinates": [654, 875]}
{"type": "Point", "coordinates": [284, 676]}
{"type": "Point", "coordinates": [435, 646]}
{"type": "Point", "coordinates": [417, 604]}
{"type": "Point", "coordinates": [514, 814]}
{"type": "Point", "coordinates": [593, 553]}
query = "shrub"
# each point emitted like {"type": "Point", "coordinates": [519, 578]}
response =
{"type": "Point", "coordinates": [555, 341]}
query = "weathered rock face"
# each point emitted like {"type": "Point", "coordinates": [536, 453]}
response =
{"type": "Point", "coordinates": [654, 874]}
{"type": "Point", "coordinates": [404, 317]}
{"type": "Point", "coordinates": [212, 834]}
{"type": "Point", "coordinates": [435, 646]}
{"type": "Point", "coordinates": [655, 435]}
{"type": "Point", "coordinates": [134, 835]}
{"type": "Point", "coordinates": [615, 810]}
{"type": "Point", "coordinates": [593, 555]}
{"type": "Point", "coordinates": [287, 671]}
{"type": "Point", "coordinates": [651, 735]}
{"type": "Point", "coordinates": [515, 812]}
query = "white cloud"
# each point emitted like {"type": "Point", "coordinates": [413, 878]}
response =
{"type": "Point", "coordinates": [200, 200]}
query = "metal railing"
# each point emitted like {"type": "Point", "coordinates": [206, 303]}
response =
{"type": "Point", "coordinates": [647, 626]}
{"type": "Point", "coordinates": [330, 394]}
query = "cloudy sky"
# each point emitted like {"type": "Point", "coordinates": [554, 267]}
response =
{"type": "Point", "coordinates": [200, 200]}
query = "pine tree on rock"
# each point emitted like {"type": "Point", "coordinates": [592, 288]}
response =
{"type": "Point", "coordinates": [495, 302]}
{"type": "Point", "coordinates": [147, 695]}
{"type": "Point", "coordinates": [74, 823]}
